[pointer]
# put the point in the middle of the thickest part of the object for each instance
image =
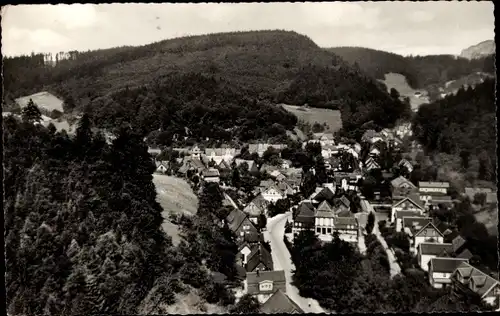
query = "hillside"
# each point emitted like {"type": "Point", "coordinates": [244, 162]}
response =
{"type": "Point", "coordinates": [462, 126]}
{"type": "Point", "coordinates": [480, 50]}
{"type": "Point", "coordinates": [420, 71]}
{"type": "Point", "coordinates": [217, 75]}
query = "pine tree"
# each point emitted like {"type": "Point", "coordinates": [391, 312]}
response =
{"type": "Point", "coordinates": [31, 113]}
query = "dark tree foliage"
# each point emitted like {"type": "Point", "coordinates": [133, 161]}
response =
{"type": "Point", "coordinates": [370, 223]}
{"type": "Point", "coordinates": [247, 304]}
{"type": "Point", "coordinates": [462, 125]}
{"type": "Point", "coordinates": [31, 113]}
{"type": "Point", "coordinates": [82, 228]}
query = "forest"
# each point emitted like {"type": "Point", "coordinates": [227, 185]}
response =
{"type": "Point", "coordinates": [420, 71]}
{"type": "Point", "coordinates": [173, 82]}
{"type": "Point", "coordinates": [83, 228]}
{"type": "Point", "coordinates": [462, 126]}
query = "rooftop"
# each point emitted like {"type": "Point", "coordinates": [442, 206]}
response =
{"type": "Point", "coordinates": [445, 265]}
{"type": "Point", "coordinates": [279, 302]}
{"type": "Point", "coordinates": [256, 277]}
{"type": "Point", "coordinates": [434, 248]}
{"type": "Point", "coordinates": [423, 184]}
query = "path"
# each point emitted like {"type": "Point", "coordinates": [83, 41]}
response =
{"type": "Point", "coordinates": [282, 261]}
{"type": "Point", "coordinates": [394, 266]}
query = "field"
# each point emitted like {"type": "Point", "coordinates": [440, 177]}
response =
{"type": "Point", "coordinates": [44, 100]}
{"type": "Point", "coordinates": [398, 82]}
{"type": "Point", "coordinates": [175, 196]}
{"type": "Point", "coordinates": [311, 115]}
{"type": "Point", "coordinates": [489, 217]}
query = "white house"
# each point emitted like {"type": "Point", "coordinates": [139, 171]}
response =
{"type": "Point", "coordinates": [406, 204]}
{"type": "Point", "coordinates": [347, 228]}
{"type": "Point", "coordinates": [325, 139]}
{"type": "Point", "coordinates": [428, 233]}
{"type": "Point", "coordinates": [324, 221]}
{"type": "Point", "coordinates": [220, 154]}
{"type": "Point", "coordinates": [427, 251]}
{"type": "Point", "coordinates": [211, 175]}
{"type": "Point", "coordinates": [263, 284]}
{"type": "Point", "coordinates": [196, 152]}
{"type": "Point", "coordinates": [427, 190]}
{"type": "Point", "coordinates": [161, 166]}
{"type": "Point", "coordinates": [370, 164]}
{"type": "Point", "coordinates": [467, 278]}
{"type": "Point", "coordinates": [272, 193]}
{"type": "Point", "coordinates": [441, 270]}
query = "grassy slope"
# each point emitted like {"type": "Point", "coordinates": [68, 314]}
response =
{"type": "Point", "coordinates": [311, 115]}
{"type": "Point", "coordinates": [175, 196]}
{"type": "Point", "coordinates": [399, 82]}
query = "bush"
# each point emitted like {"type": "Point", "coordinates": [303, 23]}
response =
{"type": "Point", "coordinates": [371, 222]}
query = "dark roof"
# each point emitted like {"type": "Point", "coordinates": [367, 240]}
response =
{"type": "Point", "coordinates": [412, 200]}
{"type": "Point", "coordinates": [211, 173]}
{"type": "Point", "coordinates": [480, 282]}
{"type": "Point", "coordinates": [427, 226]}
{"type": "Point", "coordinates": [415, 223]}
{"type": "Point", "coordinates": [324, 206]}
{"type": "Point", "coordinates": [345, 222]}
{"type": "Point", "coordinates": [466, 254]}
{"type": "Point", "coordinates": [400, 180]}
{"type": "Point", "coordinates": [427, 248]}
{"type": "Point", "coordinates": [235, 218]}
{"type": "Point", "coordinates": [445, 265]}
{"type": "Point", "coordinates": [324, 194]}
{"type": "Point", "coordinates": [279, 302]}
{"type": "Point", "coordinates": [458, 242]}
{"type": "Point", "coordinates": [253, 237]}
{"type": "Point", "coordinates": [344, 200]}
{"type": "Point", "coordinates": [259, 255]}
{"type": "Point", "coordinates": [402, 214]}
{"type": "Point", "coordinates": [275, 276]}
{"type": "Point", "coordinates": [423, 184]}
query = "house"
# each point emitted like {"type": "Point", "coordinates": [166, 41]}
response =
{"type": "Point", "coordinates": [304, 219]}
{"type": "Point", "coordinates": [251, 165]}
{"type": "Point", "coordinates": [491, 197]}
{"type": "Point", "coordinates": [344, 204]}
{"type": "Point", "coordinates": [427, 251]}
{"type": "Point", "coordinates": [325, 192]}
{"type": "Point", "coordinates": [347, 180]}
{"type": "Point", "coordinates": [211, 175]}
{"type": "Point", "coordinates": [162, 166]}
{"type": "Point", "coordinates": [280, 303]}
{"type": "Point", "coordinates": [286, 164]}
{"type": "Point", "coordinates": [195, 152]}
{"type": "Point", "coordinates": [286, 188]}
{"type": "Point", "coordinates": [244, 251]}
{"type": "Point", "coordinates": [371, 164]}
{"type": "Point", "coordinates": [324, 218]}
{"type": "Point", "coordinates": [460, 247]}
{"type": "Point", "coordinates": [405, 163]}
{"type": "Point", "coordinates": [278, 176]}
{"type": "Point", "coordinates": [325, 139]}
{"type": "Point", "coordinates": [371, 136]}
{"type": "Point", "coordinates": [192, 164]}
{"type": "Point", "coordinates": [437, 201]}
{"type": "Point", "coordinates": [347, 228]}
{"type": "Point", "coordinates": [406, 204]}
{"type": "Point", "coordinates": [467, 280]}
{"type": "Point", "coordinates": [328, 151]}
{"type": "Point", "coordinates": [412, 224]}
{"type": "Point", "coordinates": [333, 163]}
{"type": "Point", "coordinates": [219, 154]}
{"type": "Point", "coordinates": [272, 193]}
{"type": "Point", "coordinates": [259, 259]}
{"type": "Point", "coordinates": [441, 269]}
{"type": "Point", "coordinates": [402, 187]}
{"type": "Point", "coordinates": [240, 224]}
{"type": "Point", "coordinates": [261, 148]}
{"type": "Point", "coordinates": [428, 233]}
{"type": "Point", "coordinates": [402, 214]}
{"type": "Point", "coordinates": [428, 190]}
{"type": "Point", "coordinates": [263, 284]}
{"type": "Point", "coordinates": [376, 149]}
{"type": "Point", "coordinates": [256, 207]}
{"type": "Point", "coordinates": [267, 168]}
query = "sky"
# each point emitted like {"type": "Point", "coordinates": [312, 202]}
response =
{"type": "Point", "coordinates": [416, 28]}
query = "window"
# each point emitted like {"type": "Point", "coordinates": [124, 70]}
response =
{"type": "Point", "coordinates": [318, 230]}
{"type": "Point", "coordinates": [329, 230]}
{"type": "Point", "coordinates": [324, 230]}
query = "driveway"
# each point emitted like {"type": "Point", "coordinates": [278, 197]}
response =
{"type": "Point", "coordinates": [394, 266]}
{"type": "Point", "coordinates": [282, 261]}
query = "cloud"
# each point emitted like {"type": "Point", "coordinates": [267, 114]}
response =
{"type": "Point", "coordinates": [339, 14]}
{"type": "Point", "coordinates": [40, 40]}
{"type": "Point", "coordinates": [76, 15]}
{"type": "Point", "coordinates": [421, 16]}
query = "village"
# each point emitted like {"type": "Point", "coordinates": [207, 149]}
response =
{"type": "Point", "coordinates": [271, 204]}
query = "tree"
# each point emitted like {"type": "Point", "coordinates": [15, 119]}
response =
{"type": "Point", "coordinates": [31, 113]}
{"type": "Point", "coordinates": [480, 198]}
{"type": "Point", "coordinates": [368, 186]}
{"type": "Point", "coordinates": [394, 93]}
{"type": "Point", "coordinates": [247, 304]}
{"type": "Point", "coordinates": [485, 167]}
{"type": "Point", "coordinates": [262, 221]}
{"type": "Point", "coordinates": [370, 223]}
{"type": "Point", "coordinates": [308, 184]}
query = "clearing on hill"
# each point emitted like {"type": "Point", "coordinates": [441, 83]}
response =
{"type": "Point", "coordinates": [398, 82]}
{"type": "Point", "coordinates": [44, 100]}
{"type": "Point", "coordinates": [175, 197]}
{"type": "Point", "coordinates": [311, 115]}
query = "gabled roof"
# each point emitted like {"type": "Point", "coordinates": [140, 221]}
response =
{"type": "Point", "coordinates": [415, 223]}
{"type": "Point", "coordinates": [324, 206]}
{"type": "Point", "coordinates": [285, 187]}
{"type": "Point", "coordinates": [224, 165]}
{"type": "Point", "coordinates": [266, 183]}
{"type": "Point", "coordinates": [259, 255]}
{"type": "Point", "coordinates": [212, 172]}
{"type": "Point", "coordinates": [279, 302]}
{"type": "Point", "coordinates": [257, 206]}
{"type": "Point", "coordinates": [253, 237]}
{"type": "Point", "coordinates": [428, 248]}
{"type": "Point", "coordinates": [235, 219]}
{"type": "Point", "coordinates": [400, 180]}
{"type": "Point", "coordinates": [445, 265]}
{"type": "Point", "coordinates": [305, 213]}
{"type": "Point", "coordinates": [344, 200]}
{"type": "Point", "coordinates": [423, 184]}
{"type": "Point", "coordinates": [275, 187]}
{"type": "Point", "coordinates": [197, 164]}
{"type": "Point", "coordinates": [428, 225]}
{"type": "Point", "coordinates": [410, 200]}
{"type": "Point", "coordinates": [250, 163]}
{"type": "Point", "coordinates": [275, 276]}
{"type": "Point", "coordinates": [344, 213]}
{"type": "Point", "coordinates": [478, 281]}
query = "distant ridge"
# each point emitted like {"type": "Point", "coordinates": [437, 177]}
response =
{"type": "Point", "coordinates": [480, 50]}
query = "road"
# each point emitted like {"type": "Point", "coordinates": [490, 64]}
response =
{"type": "Point", "coordinates": [282, 261]}
{"type": "Point", "coordinates": [394, 266]}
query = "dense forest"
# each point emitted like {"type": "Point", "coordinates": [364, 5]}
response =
{"type": "Point", "coordinates": [462, 126]}
{"type": "Point", "coordinates": [82, 226]}
{"type": "Point", "coordinates": [420, 71]}
{"type": "Point", "coordinates": [220, 74]}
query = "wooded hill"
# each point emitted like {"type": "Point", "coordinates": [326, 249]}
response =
{"type": "Point", "coordinates": [462, 125]}
{"type": "Point", "coordinates": [420, 71]}
{"type": "Point", "coordinates": [271, 66]}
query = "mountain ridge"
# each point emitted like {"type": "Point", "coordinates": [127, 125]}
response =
{"type": "Point", "coordinates": [482, 49]}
